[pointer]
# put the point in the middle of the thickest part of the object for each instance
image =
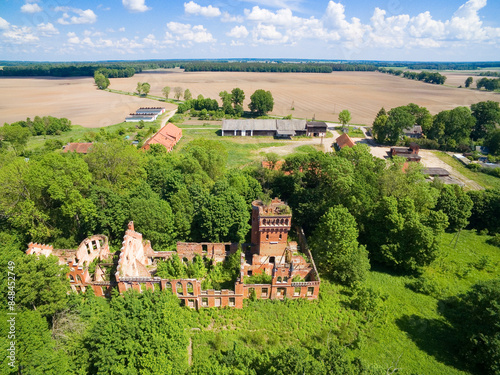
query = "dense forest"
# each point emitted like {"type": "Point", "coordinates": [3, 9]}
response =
{"type": "Point", "coordinates": [357, 211]}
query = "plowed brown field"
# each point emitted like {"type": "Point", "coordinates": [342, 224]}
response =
{"type": "Point", "coordinates": [319, 95]}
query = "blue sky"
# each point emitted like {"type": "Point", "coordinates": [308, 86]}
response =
{"type": "Point", "coordinates": [425, 30]}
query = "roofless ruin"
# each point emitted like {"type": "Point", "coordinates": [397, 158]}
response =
{"type": "Point", "coordinates": [270, 253]}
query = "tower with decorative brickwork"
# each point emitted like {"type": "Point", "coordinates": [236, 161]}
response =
{"type": "Point", "coordinates": [270, 226]}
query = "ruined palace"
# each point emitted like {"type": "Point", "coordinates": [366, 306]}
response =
{"type": "Point", "coordinates": [270, 252]}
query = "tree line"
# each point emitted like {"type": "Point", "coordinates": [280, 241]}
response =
{"type": "Point", "coordinates": [424, 76]}
{"type": "Point", "coordinates": [274, 67]}
{"type": "Point", "coordinates": [452, 129]}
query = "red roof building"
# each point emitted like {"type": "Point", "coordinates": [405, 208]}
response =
{"type": "Point", "coordinates": [343, 141]}
{"type": "Point", "coordinates": [167, 136]}
{"type": "Point", "coordinates": [80, 148]}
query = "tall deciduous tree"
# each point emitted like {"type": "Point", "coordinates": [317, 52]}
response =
{"type": "Point", "coordinates": [456, 204]}
{"type": "Point", "coordinates": [237, 97]}
{"type": "Point", "coordinates": [42, 284]}
{"type": "Point", "coordinates": [101, 81]}
{"type": "Point", "coordinates": [399, 119]}
{"type": "Point", "coordinates": [336, 248]}
{"type": "Point", "coordinates": [487, 115]}
{"type": "Point", "coordinates": [146, 87]}
{"type": "Point", "coordinates": [226, 99]}
{"type": "Point", "coordinates": [187, 95]}
{"type": "Point", "coordinates": [166, 91]}
{"type": "Point", "coordinates": [468, 81]}
{"type": "Point", "coordinates": [139, 88]}
{"type": "Point", "coordinates": [177, 92]}
{"type": "Point", "coordinates": [344, 117]}
{"type": "Point", "coordinates": [16, 135]}
{"type": "Point", "coordinates": [261, 101]}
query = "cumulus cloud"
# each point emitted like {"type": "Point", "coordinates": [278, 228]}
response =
{"type": "Point", "coordinates": [268, 34]}
{"type": "Point", "coordinates": [72, 38]}
{"type": "Point", "coordinates": [209, 11]}
{"type": "Point", "coordinates": [84, 16]}
{"type": "Point", "coordinates": [181, 31]}
{"type": "Point", "coordinates": [31, 8]}
{"type": "Point", "coordinates": [20, 35]}
{"type": "Point", "coordinates": [4, 24]}
{"type": "Point", "coordinates": [226, 17]}
{"type": "Point", "coordinates": [135, 6]}
{"type": "Point", "coordinates": [238, 32]}
{"type": "Point", "coordinates": [47, 29]}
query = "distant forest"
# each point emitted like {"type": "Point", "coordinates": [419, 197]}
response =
{"type": "Point", "coordinates": [117, 69]}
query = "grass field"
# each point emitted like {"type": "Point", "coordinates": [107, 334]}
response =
{"type": "Point", "coordinates": [353, 133]}
{"type": "Point", "coordinates": [483, 179]}
{"type": "Point", "coordinates": [405, 331]}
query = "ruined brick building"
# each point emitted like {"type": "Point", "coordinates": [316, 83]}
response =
{"type": "Point", "coordinates": [270, 252]}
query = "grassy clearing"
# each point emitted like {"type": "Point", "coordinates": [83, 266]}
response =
{"type": "Point", "coordinates": [413, 330]}
{"type": "Point", "coordinates": [352, 132]}
{"type": "Point", "coordinates": [485, 180]}
{"type": "Point", "coordinates": [405, 331]}
{"type": "Point", "coordinates": [153, 97]}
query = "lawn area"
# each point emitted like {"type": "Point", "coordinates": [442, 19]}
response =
{"type": "Point", "coordinates": [353, 133]}
{"type": "Point", "coordinates": [406, 330]}
{"type": "Point", "coordinates": [413, 331]}
{"type": "Point", "coordinates": [483, 179]}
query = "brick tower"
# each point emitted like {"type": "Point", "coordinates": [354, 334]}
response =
{"type": "Point", "coordinates": [270, 226]}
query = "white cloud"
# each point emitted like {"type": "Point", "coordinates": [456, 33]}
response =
{"type": "Point", "coordinates": [4, 24]}
{"type": "Point", "coordinates": [268, 34]}
{"type": "Point", "coordinates": [85, 16]}
{"type": "Point", "coordinates": [226, 17]}
{"type": "Point", "coordinates": [121, 29]}
{"type": "Point", "coordinates": [73, 39]}
{"type": "Point", "coordinates": [182, 31]}
{"type": "Point", "coordinates": [135, 6]}
{"type": "Point", "coordinates": [20, 35]}
{"type": "Point", "coordinates": [209, 11]}
{"type": "Point", "coordinates": [31, 8]}
{"type": "Point", "coordinates": [238, 32]}
{"type": "Point", "coordinates": [47, 29]}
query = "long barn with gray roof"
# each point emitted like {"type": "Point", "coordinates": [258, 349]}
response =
{"type": "Point", "coordinates": [273, 128]}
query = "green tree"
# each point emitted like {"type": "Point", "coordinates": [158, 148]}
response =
{"type": "Point", "coordinates": [101, 81]}
{"type": "Point", "coordinates": [485, 209]}
{"type": "Point", "coordinates": [187, 95]}
{"type": "Point", "coordinates": [16, 135]}
{"type": "Point", "coordinates": [166, 91]}
{"type": "Point", "coordinates": [422, 116]}
{"type": "Point", "coordinates": [211, 155]}
{"type": "Point", "coordinates": [116, 164]}
{"type": "Point", "coordinates": [143, 333]}
{"type": "Point", "coordinates": [477, 321]}
{"type": "Point", "coordinates": [139, 88]}
{"type": "Point", "coordinates": [41, 284]}
{"type": "Point", "coordinates": [237, 97]}
{"type": "Point", "coordinates": [145, 88]}
{"type": "Point", "coordinates": [401, 237]}
{"type": "Point", "coordinates": [172, 268]}
{"type": "Point", "coordinates": [452, 128]}
{"type": "Point", "coordinates": [468, 81]}
{"type": "Point", "coordinates": [261, 102]}
{"type": "Point", "coordinates": [380, 129]}
{"type": "Point", "coordinates": [336, 248]}
{"type": "Point", "coordinates": [226, 99]}
{"type": "Point", "coordinates": [487, 115]}
{"type": "Point", "coordinates": [36, 352]}
{"type": "Point", "coordinates": [456, 204]}
{"type": "Point", "coordinates": [492, 141]}
{"type": "Point", "coordinates": [177, 92]}
{"type": "Point", "coordinates": [400, 118]}
{"type": "Point", "coordinates": [344, 117]}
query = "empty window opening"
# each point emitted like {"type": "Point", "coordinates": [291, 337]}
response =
{"type": "Point", "coordinates": [232, 301]}
{"type": "Point", "coordinates": [281, 236]}
{"type": "Point", "coordinates": [228, 248]}
{"type": "Point", "coordinates": [179, 288]}
{"type": "Point", "coordinates": [281, 292]}
{"type": "Point", "coordinates": [310, 291]}
{"type": "Point", "coordinates": [264, 292]}
{"type": "Point", "coordinates": [296, 292]}
{"type": "Point", "coordinates": [168, 286]}
{"type": "Point", "coordinates": [71, 279]}
{"type": "Point", "coordinates": [204, 302]}
{"type": "Point", "coordinates": [249, 273]}
{"type": "Point", "coordinates": [204, 248]}
{"type": "Point", "coordinates": [267, 236]}
{"type": "Point", "coordinates": [217, 302]}
{"type": "Point", "coordinates": [190, 289]}
{"type": "Point", "coordinates": [279, 279]}
{"type": "Point", "coordinates": [272, 260]}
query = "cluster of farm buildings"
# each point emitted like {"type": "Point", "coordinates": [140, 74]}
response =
{"type": "Point", "coordinates": [270, 252]}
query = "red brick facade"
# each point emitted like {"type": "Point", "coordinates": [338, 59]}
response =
{"type": "Point", "coordinates": [269, 253]}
